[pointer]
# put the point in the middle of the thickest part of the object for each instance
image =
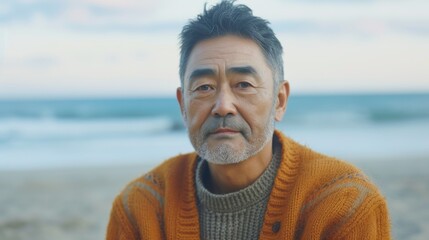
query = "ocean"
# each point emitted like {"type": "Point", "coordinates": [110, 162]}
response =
{"type": "Point", "coordinates": [40, 134]}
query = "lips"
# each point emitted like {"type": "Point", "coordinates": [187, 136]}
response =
{"type": "Point", "coordinates": [225, 131]}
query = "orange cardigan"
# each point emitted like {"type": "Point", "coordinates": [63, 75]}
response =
{"type": "Point", "coordinates": [313, 197]}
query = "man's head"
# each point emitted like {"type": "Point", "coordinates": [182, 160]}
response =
{"type": "Point", "coordinates": [230, 97]}
{"type": "Point", "coordinates": [226, 18]}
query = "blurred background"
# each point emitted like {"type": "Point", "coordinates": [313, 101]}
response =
{"type": "Point", "coordinates": [87, 101]}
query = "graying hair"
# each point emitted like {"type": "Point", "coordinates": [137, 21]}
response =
{"type": "Point", "coordinates": [226, 18]}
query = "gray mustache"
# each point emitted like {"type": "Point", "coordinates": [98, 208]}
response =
{"type": "Point", "coordinates": [235, 123]}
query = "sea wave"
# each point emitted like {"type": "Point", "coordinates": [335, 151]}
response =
{"type": "Point", "coordinates": [59, 133]}
{"type": "Point", "coordinates": [60, 120]}
{"type": "Point", "coordinates": [350, 118]}
{"type": "Point", "coordinates": [84, 109]}
{"type": "Point", "coordinates": [56, 130]}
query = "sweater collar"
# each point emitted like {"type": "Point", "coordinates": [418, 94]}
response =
{"type": "Point", "coordinates": [244, 198]}
{"type": "Point", "coordinates": [187, 215]}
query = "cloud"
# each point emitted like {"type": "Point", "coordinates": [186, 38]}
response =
{"type": "Point", "coordinates": [40, 61]}
{"type": "Point", "coordinates": [105, 45]}
{"type": "Point", "coordinates": [412, 27]}
{"type": "Point", "coordinates": [31, 62]}
{"type": "Point", "coordinates": [5, 10]}
{"type": "Point", "coordinates": [134, 16]}
{"type": "Point", "coordinates": [357, 28]}
{"type": "Point", "coordinates": [23, 11]}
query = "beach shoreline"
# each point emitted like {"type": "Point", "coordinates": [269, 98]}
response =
{"type": "Point", "coordinates": [75, 203]}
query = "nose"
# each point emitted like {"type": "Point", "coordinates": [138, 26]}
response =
{"type": "Point", "coordinates": [224, 104]}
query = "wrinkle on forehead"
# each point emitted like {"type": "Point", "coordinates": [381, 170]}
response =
{"type": "Point", "coordinates": [225, 52]}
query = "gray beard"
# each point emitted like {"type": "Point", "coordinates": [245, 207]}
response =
{"type": "Point", "coordinates": [224, 154]}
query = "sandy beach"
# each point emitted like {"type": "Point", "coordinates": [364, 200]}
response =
{"type": "Point", "coordinates": [75, 203]}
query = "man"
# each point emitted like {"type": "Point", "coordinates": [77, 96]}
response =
{"type": "Point", "coordinates": [245, 180]}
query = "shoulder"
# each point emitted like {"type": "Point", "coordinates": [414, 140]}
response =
{"type": "Point", "coordinates": [325, 172]}
{"type": "Point", "coordinates": [322, 173]}
{"type": "Point", "coordinates": [334, 190]}
{"type": "Point", "coordinates": [346, 199]}
{"type": "Point", "coordinates": [138, 210]}
{"type": "Point", "coordinates": [147, 192]}
{"type": "Point", "coordinates": [153, 183]}
{"type": "Point", "coordinates": [315, 168]}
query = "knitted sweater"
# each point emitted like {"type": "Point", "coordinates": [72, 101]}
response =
{"type": "Point", "coordinates": [313, 197]}
{"type": "Point", "coordinates": [237, 215]}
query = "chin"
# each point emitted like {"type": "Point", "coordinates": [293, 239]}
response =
{"type": "Point", "coordinates": [222, 153]}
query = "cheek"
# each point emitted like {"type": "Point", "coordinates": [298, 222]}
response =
{"type": "Point", "coordinates": [197, 114]}
{"type": "Point", "coordinates": [256, 112]}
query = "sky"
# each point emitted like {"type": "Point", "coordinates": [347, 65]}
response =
{"type": "Point", "coordinates": [130, 48]}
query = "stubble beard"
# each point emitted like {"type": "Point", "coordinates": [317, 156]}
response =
{"type": "Point", "coordinates": [224, 153]}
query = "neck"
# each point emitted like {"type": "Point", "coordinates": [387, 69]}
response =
{"type": "Point", "coordinates": [233, 177]}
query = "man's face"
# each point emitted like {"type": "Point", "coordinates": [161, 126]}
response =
{"type": "Point", "coordinates": [228, 101]}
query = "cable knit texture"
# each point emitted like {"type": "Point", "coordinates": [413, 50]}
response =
{"type": "Point", "coordinates": [313, 197]}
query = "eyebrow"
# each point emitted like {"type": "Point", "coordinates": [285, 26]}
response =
{"type": "Point", "coordinates": [197, 73]}
{"type": "Point", "coordinates": [203, 72]}
{"type": "Point", "coordinates": [243, 70]}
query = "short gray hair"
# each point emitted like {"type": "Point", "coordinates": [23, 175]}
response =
{"type": "Point", "coordinates": [226, 18]}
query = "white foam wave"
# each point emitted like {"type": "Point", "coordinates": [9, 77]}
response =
{"type": "Point", "coordinates": [52, 129]}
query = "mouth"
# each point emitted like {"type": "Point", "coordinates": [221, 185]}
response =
{"type": "Point", "coordinates": [222, 131]}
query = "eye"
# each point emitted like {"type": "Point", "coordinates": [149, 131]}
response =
{"type": "Point", "coordinates": [244, 85]}
{"type": "Point", "coordinates": [204, 88]}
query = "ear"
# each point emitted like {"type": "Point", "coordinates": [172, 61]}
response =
{"type": "Point", "coordinates": [179, 96]}
{"type": "Point", "coordinates": [282, 98]}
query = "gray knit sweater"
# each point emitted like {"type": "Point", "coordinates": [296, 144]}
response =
{"type": "Point", "coordinates": [237, 215]}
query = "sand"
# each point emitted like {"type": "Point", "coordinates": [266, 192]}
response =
{"type": "Point", "coordinates": [405, 184]}
{"type": "Point", "coordinates": [75, 203]}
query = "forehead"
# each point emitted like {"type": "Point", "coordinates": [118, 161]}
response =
{"type": "Point", "coordinates": [226, 51]}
